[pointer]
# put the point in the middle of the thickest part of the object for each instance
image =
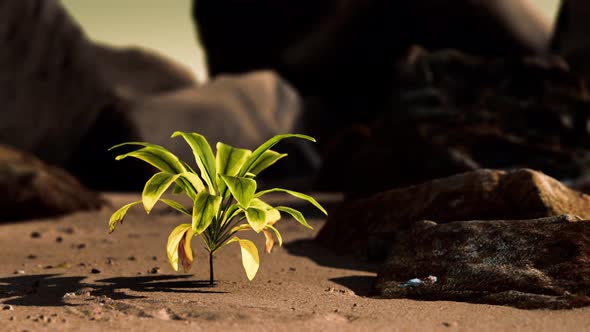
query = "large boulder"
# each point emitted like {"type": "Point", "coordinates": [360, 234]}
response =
{"type": "Point", "coordinates": [530, 264]}
{"type": "Point", "coordinates": [341, 53]}
{"type": "Point", "coordinates": [454, 112]}
{"type": "Point", "coordinates": [365, 226]}
{"type": "Point", "coordinates": [30, 188]}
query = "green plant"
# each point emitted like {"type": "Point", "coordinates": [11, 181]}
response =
{"type": "Point", "coordinates": [223, 195]}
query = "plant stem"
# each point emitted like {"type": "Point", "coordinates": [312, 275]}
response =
{"type": "Point", "coordinates": [211, 275]}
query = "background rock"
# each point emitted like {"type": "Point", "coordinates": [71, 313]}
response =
{"type": "Point", "coordinates": [467, 113]}
{"type": "Point", "coordinates": [365, 226]}
{"type": "Point", "coordinates": [341, 53]}
{"type": "Point", "coordinates": [31, 189]}
{"type": "Point", "coordinates": [530, 264]}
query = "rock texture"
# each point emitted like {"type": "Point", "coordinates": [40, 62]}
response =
{"type": "Point", "coordinates": [365, 226]}
{"type": "Point", "coordinates": [31, 189]}
{"type": "Point", "coordinates": [530, 264]}
{"type": "Point", "coordinates": [453, 113]}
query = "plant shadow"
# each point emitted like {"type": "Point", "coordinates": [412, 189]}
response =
{"type": "Point", "coordinates": [48, 290]}
{"type": "Point", "coordinates": [325, 257]}
{"type": "Point", "coordinates": [360, 285]}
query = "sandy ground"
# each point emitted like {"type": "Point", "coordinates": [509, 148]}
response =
{"type": "Point", "coordinates": [76, 277]}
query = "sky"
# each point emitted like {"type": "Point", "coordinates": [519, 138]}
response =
{"type": "Point", "coordinates": [162, 25]}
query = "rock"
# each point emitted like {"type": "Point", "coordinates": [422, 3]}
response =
{"type": "Point", "coordinates": [529, 264]}
{"type": "Point", "coordinates": [154, 270]}
{"type": "Point", "coordinates": [50, 90]}
{"type": "Point", "coordinates": [569, 39]}
{"type": "Point", "coordinates": [7, 308]}
{"type": "Point", "coordinates": [35, 235]}
{"type": "Point", "coordinates": [135, 73]}
{"type": "Point", "coordinates": [341, 53]}
{"type": "Point", "coordinates": [466, 113]}
{"type": "Point", "coordinates": [31, 189]}
{"type": "Point", "coordinates": [365, 226]}
{"type": "Point", "coordinates": [95, 271]}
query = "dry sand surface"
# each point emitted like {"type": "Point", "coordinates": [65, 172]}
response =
{"type": "Point", "coordinates": [74, 276]}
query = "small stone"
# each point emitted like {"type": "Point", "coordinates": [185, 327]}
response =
{"type": "Point", "coordinates": [8, 307]}
{"type": "Point", "coordinates": [11, 318]}
{"type": "Point", "coordinates": [292, 269]}
{"type": "Point", "coordinates": [155, 270]}
{"type": "Point", "coordinates": [19, 272]}
{"type": "Point", "coordinates": [81, 246]}
{"type": "Point", "coordinates": [35, 235]}
{"type": "Point", "coordinates": [59, 239]}
{"type": "Point", "coordinates": [31, 257]}
{"type": "Point", "coordinates": [154, 258]}
{"type": "Point", "coordinates": [110, 260]}
{"type": "Point", "coordinates": [95, 271]}
{"type": "Point", "coordinates": [48, 267]}
{"type": "Point", "coordinates": [450, 324]}
{"type": "Point", "coordinates": [68, 230]}
{"type": "Point", "coordinates": [131, 258]}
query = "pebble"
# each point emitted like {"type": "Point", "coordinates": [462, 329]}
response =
{"type": "Point", "coordinates": [31, 257]}
{"type": "Point", "coordinates": [35, 235]}
{"type": "Point", "coordinates": [68, 230]}
{"type": "Point", "coordinates": [19, 272]}
{"type": "Point", "coordinates": [110, 260]}
{"type": "Point", "coordinates": [155, 270]}
{"type": "Point", "coordinates": [154, 258]}
{"type": "Point", "coordinates": [8, 307]}
{"type": "Point", "coordinates": [59, 239]}
{"type": "Point", "coordinates": [81, 246]}
{"type": "Point", "coordinates": [131, 258]}
{"type": "Point", "coordinates": [450, 324]}
{"type": "Point", "coordinates": [95, 271]}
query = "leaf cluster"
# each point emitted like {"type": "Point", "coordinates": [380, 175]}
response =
{"type": "Point", "coordinates": [224, 193]}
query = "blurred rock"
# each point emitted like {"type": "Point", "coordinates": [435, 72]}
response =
{"type": "Point", "coordinates": [529, 264]}
{"type": "Point", "coordinates": [341, 53]}
{"type": "Point", "coordinates": [31, 189]}
{"type": "Point", "coordinates": [50, 90]}
{"type": "Point", "coordinates": [453, 112]}
{"type": "Point", "coordinates": [134, 73]}
{"type": "Point", "coordinates": [364, 227]}
{"type": "Point", "coordinates": [570, 38]}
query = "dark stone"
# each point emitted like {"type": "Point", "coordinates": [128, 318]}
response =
{"type": "Point", "coordinates": [341, 53]}
{"type": "Point", "coordinates": [570, 39]}
{"type": "Point", "coordinates": [529, 264]}
{"type": "Point", "coordinates": [453, 113]}
{"type": "Point", "coordinates": [31, 189]}
{"type": "Point", "coordinates": [365, 226]}
{"type": "Point", "coordinates": [95, 271]}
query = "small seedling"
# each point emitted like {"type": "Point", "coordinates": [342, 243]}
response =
{"type": "Point", "coordinates": [224, 195]}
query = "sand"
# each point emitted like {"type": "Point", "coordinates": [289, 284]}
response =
{"type": "Point", "coordinates": [76, 277]}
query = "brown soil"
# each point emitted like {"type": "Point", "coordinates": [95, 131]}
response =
{"type": "Point", "coordinates": [47, 284]}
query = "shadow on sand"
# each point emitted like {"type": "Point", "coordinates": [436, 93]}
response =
{"type": "Point", "coordinates": [48, 290]}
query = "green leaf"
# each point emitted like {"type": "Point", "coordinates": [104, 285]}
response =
{"type": "Point", "coordinates": [177, 189]}
{"type": "Point", "coordinates": [176, 206]}
{"type": "Point", "coordinates": [154, 155]}
{"type": "Point", "coordinates": [231, 212]}
{"type": "Point", "coordinates": [272, 214]}
{"type": "Point", "coordinates": [203, 156]}
{"type": "Point", "coordinates": [204, 210]}
{"type": "Point", "coordinates": [267, 159]}
{"type": "Point", "coordinates": [119, 215]}
{"type": "Point", "coordinates": [277, 234]}
{"type": "Point", "coordinates": [155, 187]}
{"type": "Point", "coordinates": [242, 189]}
{"type": "Point", "coordinates": [295, 194]}
{"type": "Point", "coordinates": [194, 180]}
{"type": "Point", "coordinates": [295, 214]}
{"type": "Point", "coordinates": [229, 160]}
{"type": "Point", "coordinates": [256, 218]}
{"type": "Point", "coordinates": [257, 154]}
{"type": "Point", "coordinates": [250, 259]}
{"type": "Point", "coordinates": [179, 247]}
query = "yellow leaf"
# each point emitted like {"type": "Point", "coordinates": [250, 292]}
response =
{"type": "Point", "coordinates": [250, 259]}
{"type": "Point", "coordinates": [270, 241]}
{"type": "Point", "coordinates": [179, 247]}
